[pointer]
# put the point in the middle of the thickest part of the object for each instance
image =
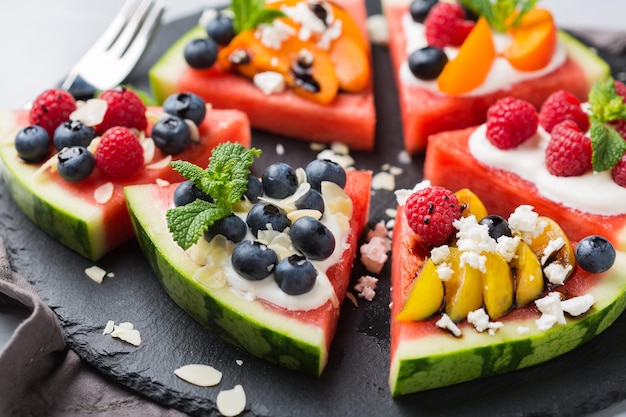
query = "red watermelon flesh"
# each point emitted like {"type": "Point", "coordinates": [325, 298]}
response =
{"type": "Point", "coordinates": [424, 112]}
{"type": "Point", "coordinates": [349, 119]}
{"type": "Point", "coordinates": [449, 163]}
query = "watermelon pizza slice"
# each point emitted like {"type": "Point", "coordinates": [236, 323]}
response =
{"type": "Point", "coordinates": [451, 65]}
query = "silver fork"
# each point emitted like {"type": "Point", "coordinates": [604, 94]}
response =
{"type": "Point", "coordinates": [114, 55]}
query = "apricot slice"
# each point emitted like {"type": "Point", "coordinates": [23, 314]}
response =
{"type": "Point", "coordinates": [529, 283]}
{"type": "Point", "coordinates": [470, 67]}
{"type": "Point", "coordinates": [541, 245]}
{"type": "Point", "coordinates": [534, 40]}
{"type": "Point", "coordinates": [425, 295]}
{"type": "Point", "coordinates": [497, 286]}
{"type": "Point", "coordinates": [462, 291]}
{"type": "Point", "coordinates": [471, 204]}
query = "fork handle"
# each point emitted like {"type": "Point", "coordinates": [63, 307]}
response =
{"type": "Point", "coordinates": [81, 89]}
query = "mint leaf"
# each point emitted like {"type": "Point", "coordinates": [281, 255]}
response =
{"type": "Point", "coordinates": [500, 14]}
{"type": "Point", "coordinates": [606, 104]}
{"type": "Point", "coordinates": [225, 180]}
{"type": "Point", "coordinates": [248, 14]}
{"type": "Point", "coordinates": [607, 144]}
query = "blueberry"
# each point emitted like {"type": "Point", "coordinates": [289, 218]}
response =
{"type": "Point", "coordinates": [497, 225]}
{"type": "Point", "coordinates": [183, 194]}
{"type": "Point", "coordinates": [312, 238]}
{"type": "Point", "coordinates": [198, 193]}
{"type": "Point", "coordinates": [325, 170]}
{"type": "Point", "coordinates": [295, 275]}
{"type": "Point", "coordinates": [254, 190]}
{"type": "Point", "coordinates": [73, 133]}
{"type": "Point", "coordinates": [75, 163]}
{"type": "Point", "coordinates": [201, 53]}
{"type": "Point", "coordinates": [261, 215]}
{"type": "Point", "coordinates": [419, 9]}
{"type": "Point", "coordinates": [186, 106]}
{"type": "Point", "coordinates": [171, 135]}
{"type": "Point", "coordinates": [221, 29]}
{"type": "Point", "coordinates": [428, 62]}
{"type": "Point", "coordinates": [231, 227]}
{"type": "Point", "coordinates": [279, 180]}
{"type": "Point", "coordinates": [32, 143]}
{"type": "Point", "coordinates": [311, 200]}
{"type": "Point", "coordinates": [595, 254]}
{"type": "Point", "coordinates": [253, 260]}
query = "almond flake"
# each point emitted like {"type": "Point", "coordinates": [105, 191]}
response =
{"type": "Point", "coordinates": [231, 403]}
{"type": "Point", "coordinates": [148, 150]}
{"type": "Point", "coordinates": [200, 375]}
{"type": "Point", "coordinates": [109, 327]}
{"type": "Point", "coordinates": [160, 164]}
{"type": "Point", "coordinates": [383, 181]}
{"type": "Point", "coordinates": [96, 273]}
{"type": "Point", "coordinates": [91, 112]}
{"type": "Point", "coordinates": [103, 193]}
{"type": "Point", "coordinates": [161, 182]}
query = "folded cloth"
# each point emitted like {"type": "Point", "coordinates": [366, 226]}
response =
{"type": "Point", "coordinates": [40, 376]}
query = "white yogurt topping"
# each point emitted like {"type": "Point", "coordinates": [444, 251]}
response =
{"type": "Point", "coordinates": [501, 75]}
{"type": "Point", "coordinates": [593, 192]}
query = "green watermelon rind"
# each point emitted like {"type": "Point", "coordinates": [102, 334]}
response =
{"type": "Point", "coordinates": [68, 219]}
{"type": "Point", "coordinates": [439, 359]}
{"type": "Point", "coordinates": [594, 67]}
{"type": "Point", "coordinates": [247, 324]}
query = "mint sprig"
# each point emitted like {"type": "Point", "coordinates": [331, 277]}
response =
{"type": "Point", "coordinates": [607, 144]}
{"type": "Point", "coordinates": [500, 14]}
{"type": "Point", "coordinates": [225, 180]}
{"type": "Point", "coordinates": [248, 14]}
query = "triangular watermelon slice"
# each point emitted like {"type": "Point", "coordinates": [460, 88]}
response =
{"type": "Point", "coordinates": [69, 211]}
{"type": "Point", "coordinates": [425, 112]}
{"type": "Point", "coordinates": [350, 118]}
{"type": "Point", "coordinates": [295, 337]}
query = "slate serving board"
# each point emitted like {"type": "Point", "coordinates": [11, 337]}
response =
{"type": "Point", "coordinates": [355, 382]}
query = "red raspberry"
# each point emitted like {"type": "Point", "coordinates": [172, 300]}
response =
{"type": "Point", "coordinates": [430, 213]}
{"type": "Point", "coordinates": [619, 172]}
{"type": "Point", "coordinates": [620, 88]}
{"type": "Point", "coordinates": [510, 122]}
{"type": "Point", "coordinates": [562, 105]}
{"type": "Point", "coordinates": [569, 151]}
{"type": "Point", "coordinates": [446, 25]}
{"type": "Point", "coordinates": [51, 108]}
{"type": "Point", "coordinates": [119, 154]}
{"type": "Point", "coordinates": [620, 126]}
{"type": "Point", "coordinates": [124, 108]}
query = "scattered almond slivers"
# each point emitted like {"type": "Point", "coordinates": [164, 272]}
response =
{"type": "Point", "coordinates": [103, 193]}
{"type": "Point", "coordinates": [200, 375]}
{"type": "Point", "coordinates": [160, 164]}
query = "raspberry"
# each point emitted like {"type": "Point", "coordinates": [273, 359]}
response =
{"type": "Point", "coordinates": [620, 126]}
{"type": "Point", "coordinates": [430, 213]}
{"type": "Point", "coordinates": [51, 108]}
{"type": "Point", "coordinates": [569, 151]}
{"type": "Point", "coordinates": [119, 154]}
{"type": "Point", "coordinates": [446, 25]}
{"type": "Point", "coordinates": [510, 122]}
{"type": "Point", "coordinates": [562, 105]}
{"type": "Point", "coordinates": [620, 88]}
{"type": "Point", "coordinates": [124, 108]}
{"type": "Point", "coordinates": [618, 172]}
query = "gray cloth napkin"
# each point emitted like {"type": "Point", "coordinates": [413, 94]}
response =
{"type": "Point", "coordinates": [39, 376]}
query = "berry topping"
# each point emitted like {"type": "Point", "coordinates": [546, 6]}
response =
{"type": "Point", "coordinates": [231, 227]}
{"type": "Point", "coordinates": [419, 9]}
{"type": "Point", "coordinates": [446, 25]}
{"type": "Point", "coordinates": [510, 122]}
{"type": "Point", "coordinates": [295, 275]}
{"type": "Point", "coordinates": [253, 260]}
{"type": "Point", "coordinates": [569, 151]}
{"type": "Point", "coordinates": [595, 254]}
{"type": "Point", "coordinates": [51, 108]}
{"type": "Point", "coordinates": [119, 154]}
{"type": "Point", "coordinates": [124, 108]}
{"type": "Point", "coordinates": [428, 62]}
{"type": "Point", "coordinates": [312, 238]}
{"type": "Point", "coordinates": [497, 226]}
{"type": "Point", "coordinates": [171, 135]}
{"type": "Point", "coordinates": [186, 106]}
{"type": "Point", "coordinates": [312, 199]}
{"type": "Point", "coordinates": [279, 180]}
{"type": "Point", "coordinates": [32, 143]}
{"type": "Point", "coordinates": [75, 163]}
{"type": "Point", "coordinates": [201, 53]}
{"type": "Point", "coordinates": [254, 190]}
{"type": "Point", "coordinates": [431, 212]}
{"type": "Point", "coordinates": [183, 194]}
{"type": "Point", "coordinates": [562, 105]}
{"type": "Point", "coordinates": [267, 216]}
{"type": "Point", "coordinates": [618, 172]}
{"type": "Point", "coordinates": [320, 170]}
{"type": "Point", "coordinates": [620, 88]}
{"type": "Point", "coordinates": [220, 29]}
{"type": "Point", "coordinates": [73, 133]}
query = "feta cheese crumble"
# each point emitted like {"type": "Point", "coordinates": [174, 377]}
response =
{"type": "Point", "coordinates": [366, 286]}
{"type": "Point", "coordinates": [480, 320]}
{"type": "Point", "coordinates": [446, 323]}
{"type": "Point", "coordinates": [374, 254]}
{"type": "Point", "coordinates": [269, 82]}
{"type": "Point", "coordinates": [526, 222]}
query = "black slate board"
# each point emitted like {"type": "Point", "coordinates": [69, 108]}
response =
{"type": "Point", "coordinates": [355, 382]}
